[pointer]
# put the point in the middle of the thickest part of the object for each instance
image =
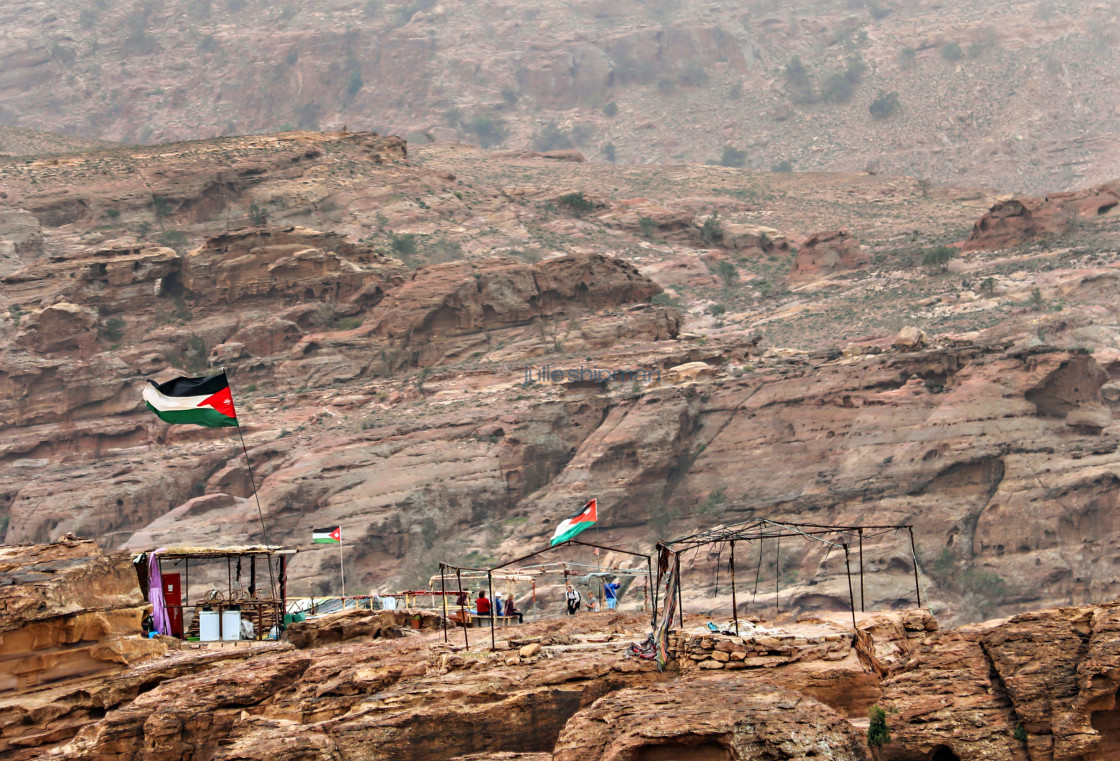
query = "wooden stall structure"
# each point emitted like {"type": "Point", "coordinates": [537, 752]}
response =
{"type": "Point", "coordinates": [254, 590]}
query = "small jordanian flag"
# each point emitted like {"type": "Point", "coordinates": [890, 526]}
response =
{"type": "Point", "coordinates": [201, 401]}
{"type": "Point", "coordinates": [569, 527]}
{"type": "Point", "coordinates": [327, 535]}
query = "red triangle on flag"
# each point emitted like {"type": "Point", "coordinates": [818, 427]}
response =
{"type": "Point", "coordinates": [337, 534]}
{"type": "Point", "coordinates": [222, 401]}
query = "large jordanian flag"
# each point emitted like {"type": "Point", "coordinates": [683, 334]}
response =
{"type": "Point", "coordinates": [327, 535]}
{"type": "Point", "coordinates": [569, 527]}
{"type": "Point", "coordinates": [201, 401]}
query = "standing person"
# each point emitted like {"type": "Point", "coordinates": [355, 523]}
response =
{"type": "Point", "coordinates": [610, 592]}
{"type": "Point", "coordinates": [573, 598]}
{"type": "Point", "coordinates": [482, 604]}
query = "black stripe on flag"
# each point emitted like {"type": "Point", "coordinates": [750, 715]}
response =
{"type": "Point", "coordinates": [192, 386]}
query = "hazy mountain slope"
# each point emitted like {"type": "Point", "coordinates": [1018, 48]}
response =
{"type": "Point", "coordinates": [1016, 94]}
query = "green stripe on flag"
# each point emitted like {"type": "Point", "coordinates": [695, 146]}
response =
{"type": "Point", "coordinates": [207, 416]}
{"type": "Point", "coordinates": [571, 532]}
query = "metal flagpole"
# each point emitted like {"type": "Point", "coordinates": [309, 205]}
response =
{"type": "Point", "coordinates": [341, 568]}
{"type": "Point", "coordinates": [260, 511]}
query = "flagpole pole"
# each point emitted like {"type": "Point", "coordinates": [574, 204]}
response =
{"type": "Point", "coordinates": [260, 511]}
{"type": "Point", "coordinates": [341, 569]}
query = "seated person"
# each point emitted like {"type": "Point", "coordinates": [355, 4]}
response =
{"type": "Point", "coordinates": [511, 610]}
{"type": "Point", "coordinates": [482, 604]}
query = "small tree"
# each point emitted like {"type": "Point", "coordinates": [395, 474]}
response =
{"type": "Point", "coordinates": [609, 152]}
{"type": "Point", "coordinates": [878, 734]}
{"type": "Point", "coordinates": [611, 109]}
{"type": "Point", "coordinates": [577, 202]}
{"type": "Point", "coordinates": [952, 52]}
{"type": "Point", "coordinates": [649, 227]}
{"type": "Point", "coordinates": [258, 215]}
{"type": "Point", "coordinates": [712, 229]}
{"type": "Point", "coordinates": [939, 258]}
{"type": "Point", "coordinates": [884, 105]}
{"type": "Point", "coordinates": [732, 156]}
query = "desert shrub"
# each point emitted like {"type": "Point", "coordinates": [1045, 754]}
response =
{"type": "Point", "coordinates": [162, 206]}
{"type": "Point", "coordinates": [782, 167]}
{"type": "Point", "coordinates": [666, 86]}
{"type": "Point", "coordinates": [665, 300]}
{"type": "Point", "coordinates": [404, 244]}
{"type": "Point", "coordinates": [952, 52]}
{"type": "Point", "coordinates": [878, 733]}
{"type": "Point", "coordinates": [439, 249]}
{"type": "Point", "coordinates": [732, 156]}
{"type": "Point", "coordinates": [577, 202]}
{"type": "Point", "coordinates": [648, 226]}
{"type": "Point", "coordinates": [113, 329]}
{"type": "Point", "coordinates": [175, 239]}
{"type": "Point", "coordinates": [509, 95]}
{"type": "Point", "coordinates": [837, 88]}
{"type": "Point", "coordinates": [796, 74]}
{"type": "Point", "coordinates": [582, 133]}
{"type": "Point", "coordinates": [736, 90]}
{"type": "Point", "coordinates": [907, 57]}
{"type": "Point", "coordinates": [196, 357]}
{"type": "Point", "coordinates": [258, 215]}
{"type": "Point", "coordinates": [611, 109]}
{"type": "Point", "coordinates": [988, 285]}
{"type": "Point", "coordinates": [726, 272]}
{"type": "Point", "coordinates": [609, 152]}
{"type": "Point", "coordinates": [712, 229]}
{"type": "Point", "coordinates": [884, 105]}
{"type": "Point", "coordinates": [453, 115]}
{"type": "Point", "coordinates": [878, 12]}
{"type": "Point", "coordinates": [488, 130]}
{"type": "Point", "coordinates": [715, 310]}
{"type": "Point", "coordinates": [939, 258]}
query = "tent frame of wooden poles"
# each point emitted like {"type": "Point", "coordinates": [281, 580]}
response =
{"type": "Point", "coordinates": [444, 568]}
{"type": "Point", "coordinates": [763, 528]}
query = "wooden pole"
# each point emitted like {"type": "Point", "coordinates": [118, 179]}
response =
{"type": "Point", "coordinates": [777, 574]}
{"type": "Point", "coordinates": [253, 576]}
{"type": "Point", "coordinates": [680, 595]}
{"type": "Point", "coordinates": [490, 583]}
{"type": "Point", "coordinates": [463, 610]}
{"type": "Point", "coordinates": [862, 605]}
{"type": "Point", "coordinates": [443, 592]}
{"type": "Point", "coordinates": [851, 594]}
{"type": "Point", "coordinates": [914, 554]}
{"type": "Point", "coordinates": [652, 590]}
{"type": "Point", "coordinates": [734, 604]}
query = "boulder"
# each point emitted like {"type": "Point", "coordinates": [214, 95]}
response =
{"type": "Point", "coordinates": [910, 339]}
{"type": "Point", "coordinates": [826, 253]}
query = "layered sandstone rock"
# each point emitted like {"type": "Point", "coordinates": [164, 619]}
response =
{"type": "Point", "coordinates": [1026, 218]}
{"type": "Point", "coordinates": [826, 253]}
{"type": "Point", "coordinates": [708, 719]}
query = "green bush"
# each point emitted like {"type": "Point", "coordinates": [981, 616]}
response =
{"type": "Point", "coordinates": [113, 329]}
{"type": "Point", "coordinates": [162, 206]}
{"type": "Point", "coordinates": [712, 229]}
{"type": "Point", "coordinates": [509, 95]}
{"type": "Point", "coordinates": [797, 75]}
{"type": "Point", "coordinates": [577, 202]}
{"type": "Point", "coordinates": [907, 57]}
{"type": "Point", "coordinates": [726, 273]}
{"type": "Point", "coordinates": [609, 152]}
{"type": "Point", "coordinates": [665, 300]}
{"type": "Point", "coordinates": [733, 157]}
{"type": "Point", "coordinates": [837, 88]}
{"type": "Point", "coordinates": [611, 109]}
{"type": "Point", "coordinates": [175, 239]}
{"type": "Point", "coordinates": [648, 226]}
{"type": "Point", "coordinates": [878, 733]}
{"type": "Point", "coordinates": [488, 130]}
{"type": "Point", "coordinates": [782, 167]}
{"type": "Point", "coordinates": [952, 52]}
{"type": "Point", "coordinates": [939, 258]}
{"type": "Point", "coordinates": [884, 105]}
{"type": "Point", "coordinates": [715, 310]}
{"type": "Point", "coordinates": [258, 215]}
{"type": "Point", "coordinates": [551, 138]}
{"type": "Point", "coordinates": [404, 244]}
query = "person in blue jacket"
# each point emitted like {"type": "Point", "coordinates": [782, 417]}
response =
{"type": "Point", "coordinates": [610, 591]}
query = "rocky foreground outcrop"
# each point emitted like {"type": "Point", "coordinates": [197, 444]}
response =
{"type": "Point", "coordinates": [1040, 686]}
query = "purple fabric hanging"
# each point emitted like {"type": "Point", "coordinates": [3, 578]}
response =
{"type": "Point", "coordinates": [155, 594]}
